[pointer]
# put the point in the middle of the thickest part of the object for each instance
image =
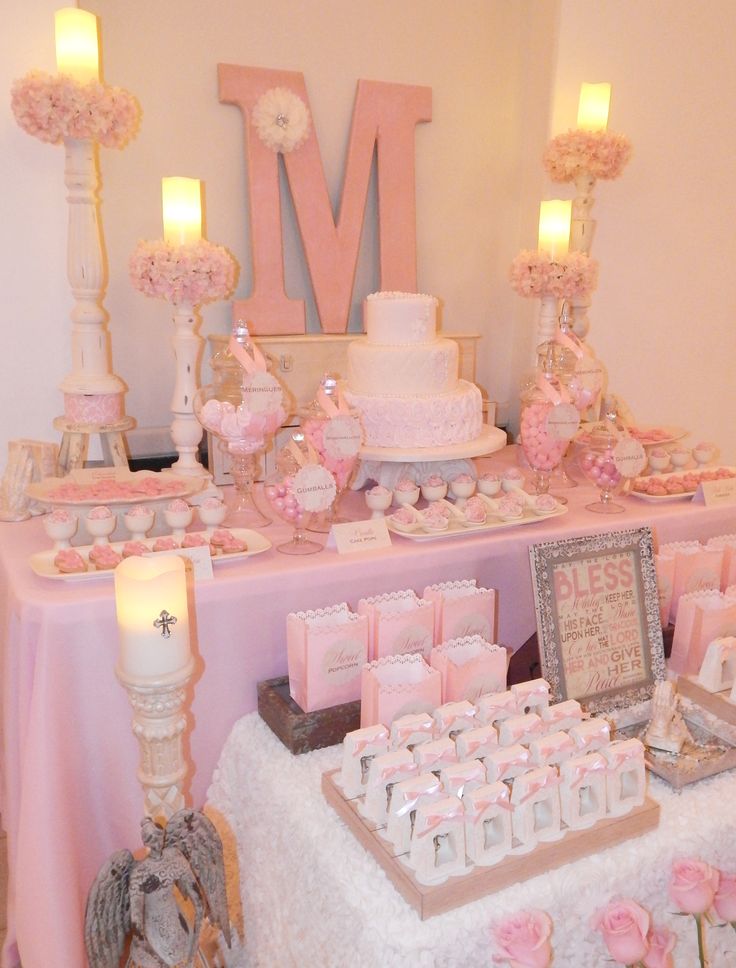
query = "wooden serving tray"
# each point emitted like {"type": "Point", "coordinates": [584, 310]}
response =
{"type": "Point", "coordinates": [302, 732]}
{"type": "Point", "coordinates": [480, 881]}
{"type": "Point", "coordinates": [715, 702]}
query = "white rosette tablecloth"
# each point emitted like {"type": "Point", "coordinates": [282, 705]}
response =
{"type": "Point", "coordinates": [313, 896]}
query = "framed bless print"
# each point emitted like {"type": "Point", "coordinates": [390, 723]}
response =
{"type": "Point", "coordinates": [600, 639]}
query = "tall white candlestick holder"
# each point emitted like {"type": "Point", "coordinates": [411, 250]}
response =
{"type": "Point", "coordinates": [159, 723]}
{"type": "Point", "coordinates": [186, 430]}
{"type": "Point", "coordinates": [549, 311]}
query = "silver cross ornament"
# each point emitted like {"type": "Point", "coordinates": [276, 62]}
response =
{"type": "Point", "coordinates": [164, 622]}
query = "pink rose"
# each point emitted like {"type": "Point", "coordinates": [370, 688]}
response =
{"type": "Point", "coordinates": [523, 939]}
{"type": "Point", "coordinates": [693, 885]}
{"type": "Point", "coordinates": [624, 925]}
{"type": "Point", "coordinates": [725, 900]}
{"type": "Point", "coordinates": [661, 942]}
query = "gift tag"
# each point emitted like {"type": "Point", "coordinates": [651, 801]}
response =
{"type": "Point", "coordinates": [590, 373]}
{"type": "Point", "coordinates": [263, 392]}
{"type": "Point", "coordinates": [562, 421]}
{"type": "Point", "coordinates": [352, 536]}
{"type": "Point", "coordinates": [314, 488]}
{"type": "Point", "coordinates": [342, 436]}
{"type": "Point", "coordinates": [629, 457]}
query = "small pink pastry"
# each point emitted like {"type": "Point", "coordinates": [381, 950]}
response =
{"type": "Point", "coordinates": [220, 537]}
{"type": "Point", "coordinates": [104, 557]}
{"type": "Point", "coordinates": [544, 504]}
{"type": "Point", "coordinates": [434, 480]}
{"type": "Point", "coordinates": [512, 479]}
{"type": "Point", "coordinates": [139, 511]}
{"type": "Point", "coordinates": [510, 508]}
{"type": "Point", "coordinates": [406, 484]}
{"type": "Point", "coordinates": [379, 491]}
{"type": "Point", "coordinates": [233, 545]}
{"type": "Point", "coordinates": [436, 517]}
{"type": "Point", "coordinates": [490, 478]}
{"type": "Point", "coordinates": [133, 548]}
{"type": "Point", "coordinates": [69, 562]}
{"type": "Point", "coordinates": [99, 513]}
{"type": "Point", "coordinates": [475, 511]}
{"type": "Point", "coordinates": [463, 479]}
{"type": "Point", "coordinates": [61, 516]}
{"type": "Point", "coordinates": [181, 505]}
{"type": "Point", "coordinates": [404, 516]}
{"type": "Point", "coordinates": [194, 540]}
{"type": "Point", "coordinates": [659, 452]}
{"type": "Point", "coordinates": [165, 543]}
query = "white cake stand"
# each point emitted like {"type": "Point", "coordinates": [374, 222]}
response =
{"type": "Point", "coordinates": [388, 465]}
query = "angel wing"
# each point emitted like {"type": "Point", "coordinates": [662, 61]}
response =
{"type": "Point", "coordinates": [107, 916]}
{"type": "Point", "coordinates": [194, 834]}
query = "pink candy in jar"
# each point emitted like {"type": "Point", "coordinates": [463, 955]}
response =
{"type": "Point", "coordinates": [542, 451]}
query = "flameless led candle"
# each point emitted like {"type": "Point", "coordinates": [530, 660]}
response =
{"type": "Point", "coordinates": [554, 227]}
{"type": "Point", "coordinates": [76, 44]}
{"type": "Point", "coordinates": [149, 594]}
{"type": "Point", "coordinates": [593, 106]}
{"type": "Point", "coordinates": [182, 207]}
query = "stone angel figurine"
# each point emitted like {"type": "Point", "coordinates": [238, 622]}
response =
{"type": "Point", "coordinates": [137, 898]}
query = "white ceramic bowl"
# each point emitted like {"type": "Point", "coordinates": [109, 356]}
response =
{"type": "Point", "coordinates": [406, 497]}
{"type": "Point", "coordinates": [680, 457]}
{"type": "Point", "coordinates": [178, 521]}
{"type": "Point", "coordinates": [659, 463]}
{"type": "Point", "coordinates": [212, 517]}
{"type": "Point", "coordinates": [509, 484]}
{"type": "Point", "coordinates": [100, 528]}
{"type": "Point", "coordinates": [434, 492]}
{"type": "Point", "coordinates": [378, 503]}
{"type": "Point", "coordinates": [139, 524]}
{"type": "Point", "coordinates": [489, 488]}
{"type": "Point", "coordinates": [60, 532]}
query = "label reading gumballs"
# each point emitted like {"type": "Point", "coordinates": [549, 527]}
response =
{"type": "Point", "coordinates": [263, 393]}
{"type": "Point", "coordinates": [562, 422]}
{"type": "Point", "coordinates": [629, 457]}
{"type": "Point", "coordinates": [314, 488]}
{"type": "Point", "coordinates": [342, 437]}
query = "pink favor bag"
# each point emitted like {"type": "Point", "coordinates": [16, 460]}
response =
{"type": "Point", "coordinates": [728, 569]}
{"type": "Point", "coordinates": [396, 686]}
{"type": "Point", "coordinates": [399, 623]}
{"type": "Point", "coordinates": [697, 569]}
{"type": "Point", "coordinates": [702, 617]}
{"type": "Point", "coordinates": [326, 650]}
{"type": "Point", "coordinates": [470, 667]}
{"type": "Point", "coordinates": [461, 608]}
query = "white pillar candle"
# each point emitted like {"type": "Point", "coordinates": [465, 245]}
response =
{"type": "Point", "coordinates": [76, 44]}
{"type": "Point", "coordinates": [149, 594]}
{"type": "Point", "coordinates": [182, 210]}
{"type": "Point", "coordinates": [554, 227]}
{"type": "Point", "coordinates": [595, 99]}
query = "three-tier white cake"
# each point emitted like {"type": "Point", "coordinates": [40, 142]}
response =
{"type": "Point", "coordinates": [404, 377]}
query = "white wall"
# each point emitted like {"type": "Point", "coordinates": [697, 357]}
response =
{"type": "Point", "coordinates": [662, 316]}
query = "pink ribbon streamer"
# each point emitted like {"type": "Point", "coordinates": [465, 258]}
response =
{"type": "Point", "coordinates": [570, 342]}
{"type": "Point", "coordinates": [454, 816]}
{"type": "Point", "coordinates": [388, 772]}
{"type": "Point", "coordinates": [362, 743]}
{"type": "Point", "coordinates": [251, 364]}
{"type": "Point", "coordinates": [328, 404]}
{"type": "Point", "coordinates": [413, 798]}
{"type": "Point", "coordinates": [556, 397]}
{"type": "Point", "coordinates": [501, 800]}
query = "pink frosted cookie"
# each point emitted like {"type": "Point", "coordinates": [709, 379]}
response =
{"type": "Point", "coordinates": [475, 511]}
{"type": "Point", "coordinates": [195, 540]}
{"type": "Point", "coordinates": [233, 545]}
{"type": "Point", "coordinates": [133, 548]}
{"type": "Point", "coordinates": [69, 562]}
{"type": "Point", "coordinates": [104, 557]}
{"type": "Point", "coordinates": [165, 543]}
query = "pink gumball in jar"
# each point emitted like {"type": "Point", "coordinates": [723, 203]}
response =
{"type": "Point", "coordinates": [599, 465]}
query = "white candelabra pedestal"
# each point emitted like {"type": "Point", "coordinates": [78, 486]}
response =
{"type": "Point", "coordinates": [549, 308]}
{"type": "Point", "coordinates": [93, 395]}
{"type": "Point", "coordinates": [186, 431]}
{"type": "Point", "coordinates": [159, 722]}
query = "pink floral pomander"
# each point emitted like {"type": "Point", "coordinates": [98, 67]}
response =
{"type": "Point", "coordinates": [54, 107]}
{"type": "Point", "coordinates": [193, 273]}
{"type": "Point", "coordinates": [600, 154]}
{"type": "Point", "coordinates": [535, 274]}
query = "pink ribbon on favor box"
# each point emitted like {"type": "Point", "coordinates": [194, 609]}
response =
{"type": "Point", "coordinates": [582, 770]}
{"type": "Point", "coordinates": [432, 758]}
{"type": "Point", "coordinates": [458, 792]}
{"type": "Point", "coordinates": [328, 404]}
{"type": "Point", "coordinates": [412, 799]}
{"type": "Point", "coordinates": [500, 799]}
{"type": "Point", "coordinates": [449, 724]}
{"type": "Point", "coordinates": [603, 731]}
{"type": "Point", "coordinates": [388, 772]}
{"type": "Point", "coordinates": [404, 732]}
{"type": "Point", "coordinates": [541, 688]}
{"type": "Point", "coordinates": [456, 815]}
{"type": "Point", "coordinates": [551, 780]}
{"type": "Point", "coordinates": [561, 747]}
{"type": "Point", "coordinates": [473, 745]}
{"type": "Point", "coordinates": [362, 743]}
{"type": "Point", "coordinates": [521, 760]}
{"type": "Point", "coordinates": [634, 752]}
{"type": "Point", "coordinates": [251, 364]}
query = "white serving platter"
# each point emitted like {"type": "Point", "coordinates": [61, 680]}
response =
{"type": "Point", "coordinates": [457, 530]}
{"type": "Point", "coordinates": [171, 486]}
{"type": "Point", "coordinates": [42, 562]}
{"type": "Point", "coordinates": [488, 441]}
{"type": "Point", "coordinates": [666, 498]}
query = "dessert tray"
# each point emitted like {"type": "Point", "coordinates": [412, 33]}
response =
{"type": "Point", "coordinates": [686, 495]}
{"type": "Point", "coordinates": [647, 436]}
{"type": "Point", "coordinates": [457, 529]}
{"type": "Point", "coordinates": [42, 562]}
{"type": "Point", "coordinates": [118, 486]}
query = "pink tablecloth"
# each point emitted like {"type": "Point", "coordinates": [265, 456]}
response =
{"type": "Point", "coordinates": [69, 790]}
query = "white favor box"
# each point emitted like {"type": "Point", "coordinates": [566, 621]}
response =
{"type": "Point", "coordinates": [435, 756]}
{"type": "Point", "coordinates": [583, 790]}
{"type": "Point", "coordinates": [475, 744]}
{"type": "Point", "coordinates": [408, 731]}
{"type": "Point", "coordinates": [399, 623]}
{"type": "Point", "coordinates": [593, 734]}
{"type": "Point", "coordinates": [562, 715]}
{"type": "Point", "coordinates": [520, 729]}
{"type": "Point", "coordinates": [459, 777]}
{"type": "Point", "coordinates": [488, 832]}
{"type": "Point", "coordinates": [451, 718]}
{"type": "Point", "coordinates": [535, 797]}
{"type": "Point", "coordinates": [360, 747]}
{"type": "Point", "coordinates": [438, 845]}
{"type": "Point", "coordinates": [470, 667]}
{"type": "Point", "coordinates": [626, 776]}
{"type": "Point", "coordinates": [532, 696]}
{"type": "Point", "coordinates": [383, 773]}
{"type": "Point", "coordinates": [552, 749]}
{"type": "Point", "coordinates": [406, 797]}
{"type": "Point", "coordinates": [496, 707]}
{"type": "Point", "coordinates": [461, 609]}
{"type": "Point", "coordinates": [507, 762]}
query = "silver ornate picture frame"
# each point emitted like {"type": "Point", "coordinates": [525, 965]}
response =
{"type": "Point", "coordinates": [598, 624]}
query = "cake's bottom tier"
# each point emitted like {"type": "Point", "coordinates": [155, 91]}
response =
{"type": "Point", "coordinates": [450, 418]}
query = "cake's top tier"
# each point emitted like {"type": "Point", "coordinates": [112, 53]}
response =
{"type": "Point", "coordinates": [399, 318]}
